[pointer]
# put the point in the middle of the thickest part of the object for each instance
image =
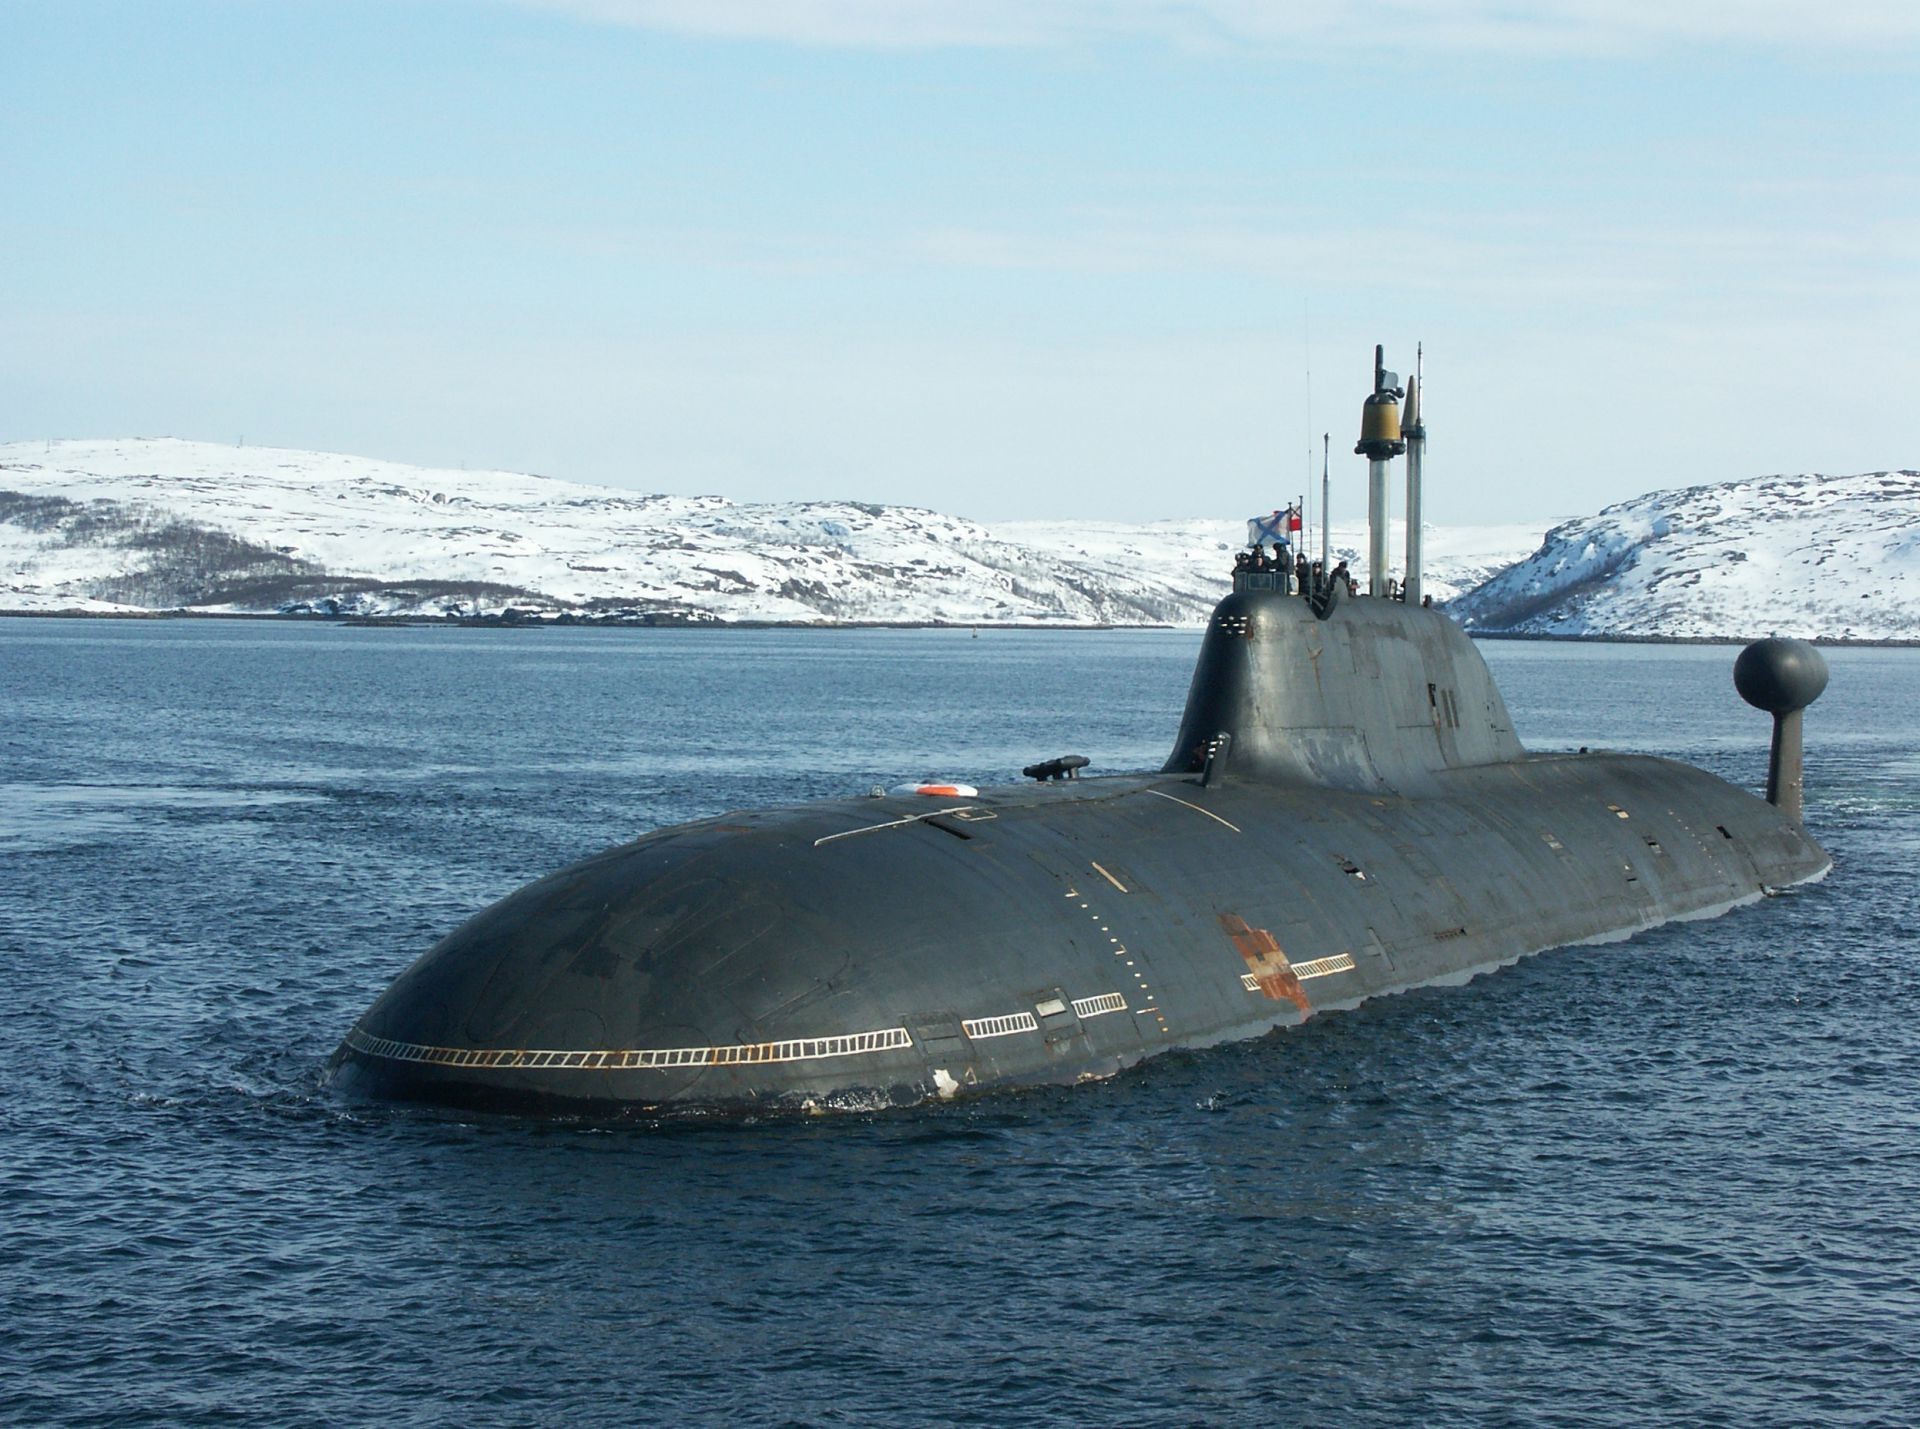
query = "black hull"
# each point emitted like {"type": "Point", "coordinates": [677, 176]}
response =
{"type": "Point", "coordinates": [831, 957]}
{"type": "Point", "coordinates": [1346, 812]}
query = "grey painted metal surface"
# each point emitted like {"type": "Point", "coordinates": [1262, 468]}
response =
{"type": "Point", "coordinates": [1782, 677]}
{"type": "Point", "coordinates": [1414, 429]}
{"type": "Point", "coordinates": [1380, 441]}
{"type": "Point", "coordinates": [1371, 823]}
{"type": "Point", "coordinates": [1377, 528]}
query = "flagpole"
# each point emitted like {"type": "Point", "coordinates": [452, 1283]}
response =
{"type": "Point", "coordinates": [1299, 533]}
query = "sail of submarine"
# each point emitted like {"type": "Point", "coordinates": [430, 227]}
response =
{"type": "Point", "coordinates": [1346, 812]}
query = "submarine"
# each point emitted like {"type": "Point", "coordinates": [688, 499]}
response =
{"type": "Point", "coordinates": [1346, 812]}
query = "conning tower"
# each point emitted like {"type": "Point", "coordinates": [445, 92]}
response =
{"type": "Point", "coordinates": [1375, 696]}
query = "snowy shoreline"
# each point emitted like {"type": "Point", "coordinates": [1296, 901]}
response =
{"type": "Point", "coordinates": [536, 623]}
{"type": "Point", "coordinates": [158, 524]}
{"type": "Point", "coordinates": [150, 525]}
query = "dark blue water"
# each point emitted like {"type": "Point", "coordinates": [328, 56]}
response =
{"type": "Point", "coordinates": [1675, 1180]}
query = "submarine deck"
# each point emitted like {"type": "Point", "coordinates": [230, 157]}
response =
{"type": "Point", "coordinates": [887, 950]}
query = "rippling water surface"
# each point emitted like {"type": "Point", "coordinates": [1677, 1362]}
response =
{"type": "Point", "coordinates": [1670, 1180]}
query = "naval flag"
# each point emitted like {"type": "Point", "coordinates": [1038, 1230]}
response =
{"type": "Point", "coordinates": [1268, 530]}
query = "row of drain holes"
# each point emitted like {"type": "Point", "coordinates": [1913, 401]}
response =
{"type": "Point", "coordinates": [1357, 873]}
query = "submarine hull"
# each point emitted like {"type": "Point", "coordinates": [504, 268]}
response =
{"type": "Point", "coordinates": [884, 952]}
{"type": "Point", "coordinates": [1346, 812]}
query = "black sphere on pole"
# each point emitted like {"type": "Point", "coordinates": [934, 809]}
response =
{"type": "Point", "coordinates": [1782, 677]}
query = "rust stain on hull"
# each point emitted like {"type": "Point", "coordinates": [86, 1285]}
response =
{"type": "Point", "coordinates": [1266, 962]}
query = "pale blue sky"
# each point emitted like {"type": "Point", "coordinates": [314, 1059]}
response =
{"type": "Point", "coordinates": [1044, 258]}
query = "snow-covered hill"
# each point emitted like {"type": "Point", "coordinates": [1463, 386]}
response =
{"type": "Point", "coordinates": [1834, 557]}
{"type": "Point", "coordinates": [165, 524]}
{"type": "Point", "coordinates": [159, 524]}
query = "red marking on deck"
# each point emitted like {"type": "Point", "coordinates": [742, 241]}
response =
{"type": "Point", "coordinates": [1266, 962]}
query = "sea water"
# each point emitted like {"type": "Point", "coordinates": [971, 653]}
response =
{"type": "Point", "coordinates": [1671, 1180]}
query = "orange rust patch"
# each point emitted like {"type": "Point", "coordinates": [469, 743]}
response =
{"type": "Point", "coordinates": [1266, 962]}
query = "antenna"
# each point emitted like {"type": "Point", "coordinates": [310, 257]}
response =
{"type": "Point", "coordinates": [1307, 508]}
{"type": "Point", "coordinates": [1306, 343]}
{"type": "Point", "coordinates": [1326, 439]}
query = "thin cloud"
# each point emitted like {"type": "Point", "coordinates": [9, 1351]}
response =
{"type": "Point", "coordinates": [1884, 28]}
{"type": "Point", "coordinates": [1509, 258]}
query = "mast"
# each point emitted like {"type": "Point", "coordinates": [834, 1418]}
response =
{"type": "Point", "coordinates": [1379, 443]}
{"type": "Point", "coordinates": [1415, 431]}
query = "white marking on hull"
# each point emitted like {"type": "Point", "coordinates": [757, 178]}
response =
{"type": "Point", "coordinates": [891, 824]}
{"type": "Point", "coordinates": [1318, 967]}
{"type": "Point", "coordinates": [799, 1049]}
{"type": "Point", "coordinates": [1321, 967]}
{"type": "Point", "coordinates": [978, 1028]}
{"type": "Point", "coordinates": [1195, 807]}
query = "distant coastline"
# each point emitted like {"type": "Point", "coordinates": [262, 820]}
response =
{"type": "Point", "coordinates": [1832, 640]}
{"type": "Point", "coordinates": [535, 622]}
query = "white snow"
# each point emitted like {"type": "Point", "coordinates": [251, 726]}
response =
{"type": "Point", "coordinates": [1824, 556]}
{"type": "Point", "coordinates": [1831, 557]}
{"type": "Point", "coordinates": [560, 546]}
